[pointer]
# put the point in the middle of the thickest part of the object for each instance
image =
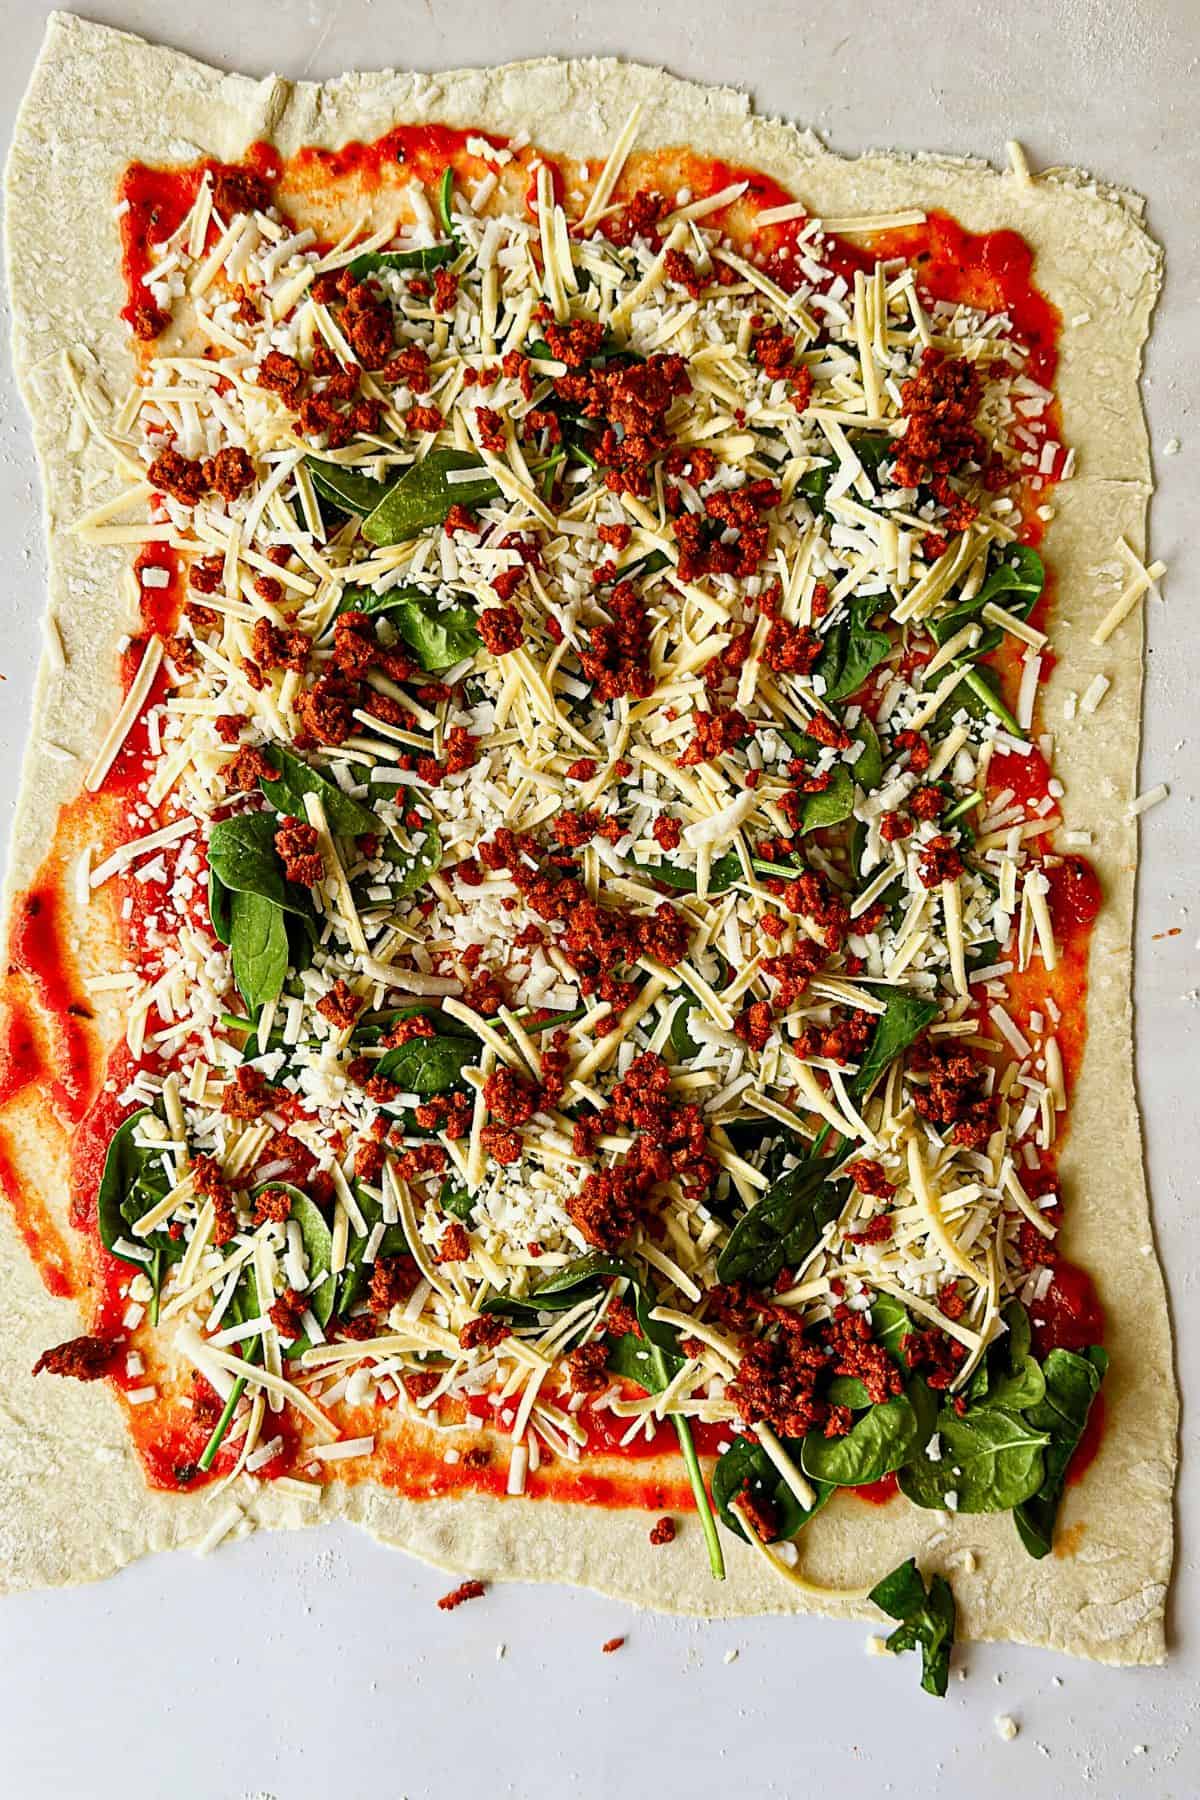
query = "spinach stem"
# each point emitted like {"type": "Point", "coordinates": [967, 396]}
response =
{"type": "Point", "coordinates": [222, 1425]}
{"type": "Point", "coordinates": [708, 1524]}
{"type": "Point", "coordinates": [156, 1278]}
{"type": "Point", "coordinates": [978, 686]}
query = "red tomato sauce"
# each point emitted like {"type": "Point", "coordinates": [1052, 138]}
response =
{"type": "Point", "coordinates": [990, 271]}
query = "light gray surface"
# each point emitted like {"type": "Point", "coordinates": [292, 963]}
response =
{"type": "Point", "coordinates": [319, 1663]}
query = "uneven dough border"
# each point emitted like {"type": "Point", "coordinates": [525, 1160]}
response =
{"type": "Point", "coordinates": [73, 1505]}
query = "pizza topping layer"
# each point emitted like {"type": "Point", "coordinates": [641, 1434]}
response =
{"type": "Point", "coordinates": [604, 953]}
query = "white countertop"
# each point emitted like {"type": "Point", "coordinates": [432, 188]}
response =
{"type": "Point", "coordinates": [178, 1677]}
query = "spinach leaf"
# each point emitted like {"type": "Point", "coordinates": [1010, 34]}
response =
{"type": "Point", "coordinates": [355, 1278]}
{"type": "Point", "coordinates": [134, 1179]}
{"type": "Point", "coordinates": [458, 1201]}
{"type": "Point", "coordinates": [349, 491]}
{"type": "Point", "coordinates": [438, 636]}
{"type": "Point", "coordinates": [890, 1325]}
{"type": "Point", "coordinates": [880, 1441]}
{"type": "Point", "coordinates": [856, 651]}
{"type": "Point", "coordinates": [317, 1240]}
{"type": "Point", "coordinates": [422, 497]}
{"type": "Point", "coordinates": [836, 802]}
{"type": "Point", "coordinates": [848, 1390]}
{"type": "Point", "coordinates": [1015, 582]}
{"type": "Point", "coordinates": [927, 1620]}
{"type": "Point", "coordinates": [241, 853]}
{"type": "Point", "coordinates": [428, 1065]}
{"type": "Point", "coordinates": [220, 908]}
{"type": "Point", "coordinates": [427, 258]}
{"type": "Point", "coordinates": [1009, 1376]}
{"type": "Point", "coordinates": [1071, 1384]}
{"type": "Point", "coordinates": [258, 948]}
{"type": "Point", "coordinates": [409, 869]}
{"type": "Point", "coordinates": [565, 1288]}
{"type": "Point", "coordinates": [780, 1229]}
{"type": "Point", "coordinates": [723, 874]}
{"type": "Point", "coordinates": [992, 1459]}
{"type": "Point", "coordinates": [904, 1019]}
{"type": "Point", "coordinates": [294, 779]}
{"type": "Point", "coordinates": [683, 1044]}
{"type": "Point", "coordinates": [744, 1462]}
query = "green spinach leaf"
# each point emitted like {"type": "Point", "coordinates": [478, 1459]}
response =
{"type": "Point", "coordinates": [349, 491]}
{"type": "Point", "coordinates": [744, 1462]}
{"type": "Point", "coordinates": [990, 1458]}
{"type": "Point", "coordinates": [294, 779]}
{"type": "Point", "coordinates": [780, 1229]}
{"type": "Point", "coordinates": [880, 1441]}
{"type": "Point", "coordinates": [927, 1621]}
{"type": "Point", "coordinates": [1071, 1384]}
{"type": "Point", "coordinates": [836, 802]}
{"type": "Point", "coordinates": [428, 1065]}
{"type": "Point", "coordinates": [426, 259]}
{"type": "Point", "coordinates": [438, 636]}
{"type": "Point", "coordinates": [904, 1019]}
{"type": "Point", "coordinates": [242, 855]}
{"type": "Point", "coordinates": [135, 1178]}
{"type": "Point", "coordinates": [258, 948]}
{"type": "Point", "coordinates": [423, 497]}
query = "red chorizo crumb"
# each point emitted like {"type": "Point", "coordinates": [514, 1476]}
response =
{"type": "Point", "coordinates": [612, 1644]}
{"type": "Point", "coordinates": [487, 1330]}
{"type": "Point", "coordinates": [939, 861]}
{"type": "Point", "coordinates": [275, 1203]}
{"type": "Point", "coordinates": [587, 1368]}
{"type": "Point", "coordinates": [501, 627]}
{"type": "Point", "coordinates": [149, 321]}
{"type": "Point", "coordinates": [299, 849]}
{"type": "Point", "coordinates": [207, 574]}
{"type": "Point", "coordinates": [177, 476]}
{"type": "Point", "coordinates": [273, 647]}
{"type": "Point", "coordinates": [869, 1178]}
{"type": "Point", "coordinates": [82, 1358]}
{"type": "Point", "coordinates": [247, 1096]}
{"type": "Point", "coordinates": [409, 368]}
{"type": "Point", "coordinates": [282, 375]}
{"type": "Point", "coordinates": [663, 1532]}
{"type": "Point", "coordinates": [467, 1590]}
{"type": "Point", "coordinates": [238, 190]}
{"type": "Point", "coordinates": [366, 320]}
{"type": "Point", "coordinates": [341, 1005]}
{"type": "Point", "coordinates": [455, 1245]}
{"type": "Point", "coordinates": [229, 472]}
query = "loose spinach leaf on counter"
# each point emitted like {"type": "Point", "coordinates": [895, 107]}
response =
{"type": "Point", "coordinates": [781, 1228]}
{"type": "Point", "coordinates": [904, 1019]}
{"type": "Point", "coordinates": [423, 496]}
{"type": "Point", "coordinates": [927, 1620]}
{"type": "Point", "coordinates": [135, 1178]}
{"type": "Point", "coordinates": [294, 778]}
{"type": "Point", "coordinates": [744, 1462]}
{"type": "Point", "coordinates": [428, 1065]}
{"type": "Point", "coordinates": [1071, 1384]}
{"type": "Point", "coordinates": [879, 1441]}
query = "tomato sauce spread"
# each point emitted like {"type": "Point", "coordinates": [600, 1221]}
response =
{"type": "Point", "coordinates": [49, 1040]}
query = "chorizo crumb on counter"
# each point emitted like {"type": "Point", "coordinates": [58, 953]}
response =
{"type": "Point", "coordinates": [606, 972]}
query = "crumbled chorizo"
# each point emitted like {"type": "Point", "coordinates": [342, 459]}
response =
{"type": "Point", "coordinates": [178, 476]}
{"type": "Point", "coordinates": [82, 1358]}
{"type": "Point", "coordinates": [466, 1590]}
{"type": "Point", "coordinates": [341, 1005]}
{"type": "Point", "coordinates": [298, 847]}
